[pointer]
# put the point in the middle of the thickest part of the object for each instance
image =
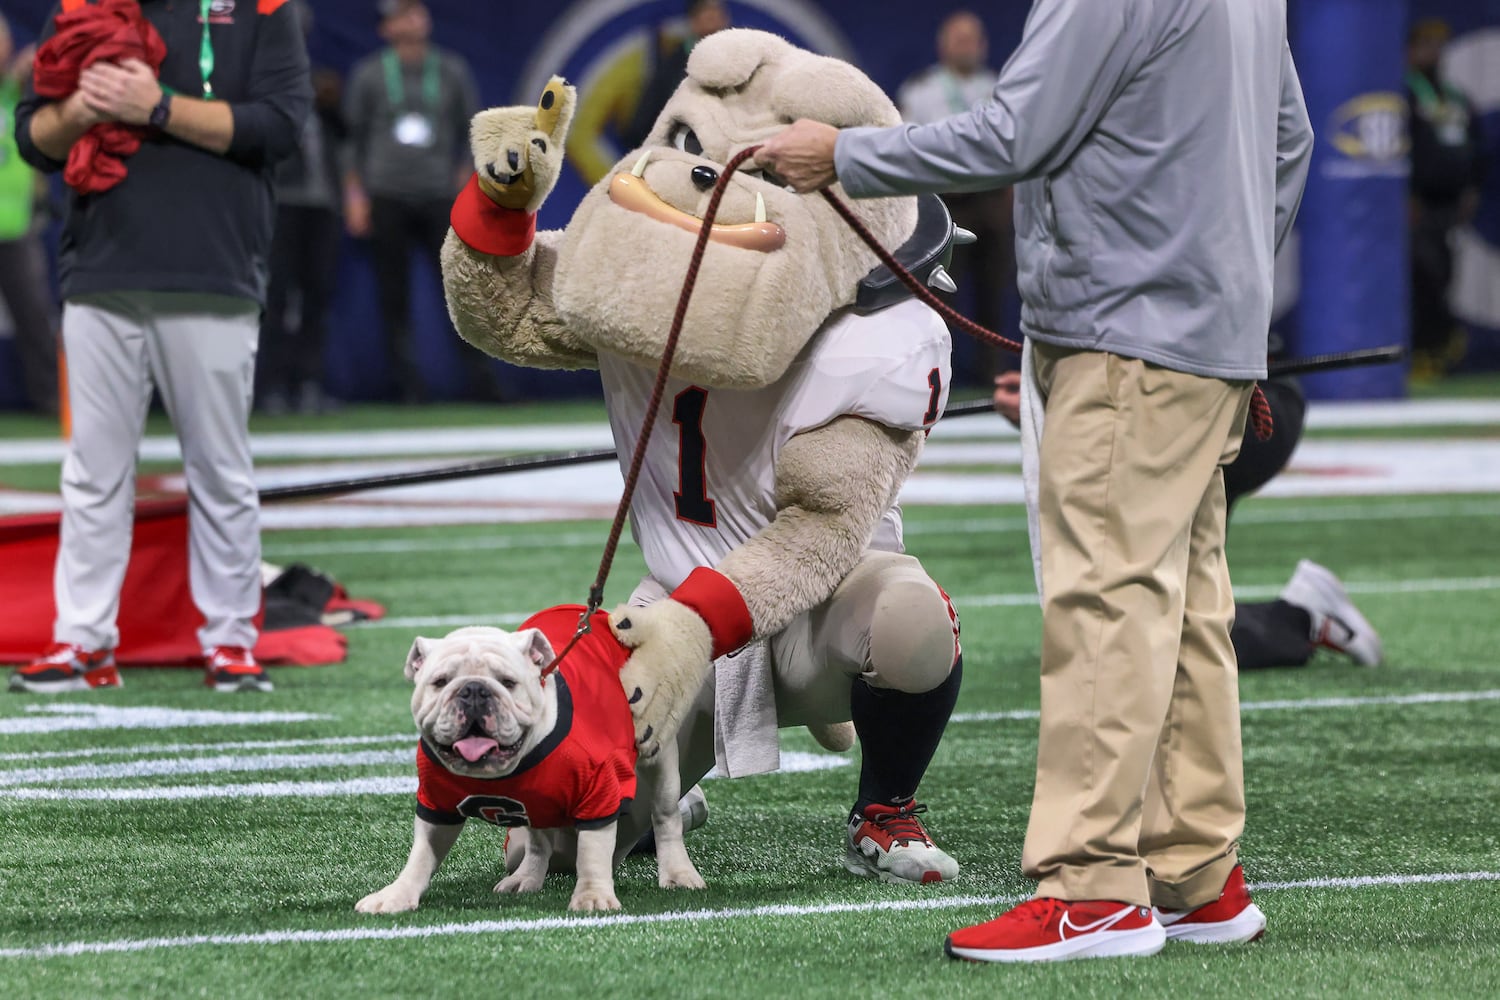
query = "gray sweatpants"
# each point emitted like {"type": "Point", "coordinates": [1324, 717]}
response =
{"type": "Point", "coordinates": [199, 351]}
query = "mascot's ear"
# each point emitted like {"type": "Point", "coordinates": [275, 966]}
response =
{"type": "Point", "coordinates": [554, 112]}
{"type": "Point", "coordinates": [535, 646]}
{"type": "Point", "coordinates": [420, 647]}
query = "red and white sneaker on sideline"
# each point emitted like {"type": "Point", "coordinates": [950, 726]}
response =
{"type": "Point", "coordinates": [1230, 919]}
{"type": "Point", "coordinates": [890, 843]}
{"type": "Point", "coordinates": [233, 668]}
{"type": "Point", "coordinates": [1336, 622]}
{"type": "Point", "coordinates": [1054, 930]}
{"type": "Point", "coordinates": [66, 667]}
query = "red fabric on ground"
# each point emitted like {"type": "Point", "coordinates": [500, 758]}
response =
{"type": "Point", "coordinates": [109, 31]}
{"type": "Point", "coordinates": [158, 621]}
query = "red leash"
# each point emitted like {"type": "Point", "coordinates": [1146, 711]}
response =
{"type": "Point", "coordinates": [1260, 410]}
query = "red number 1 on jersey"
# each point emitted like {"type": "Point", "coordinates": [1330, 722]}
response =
{"type": "Point", "coordinates": [693, 504]}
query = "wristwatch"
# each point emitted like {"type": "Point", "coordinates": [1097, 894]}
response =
{"type": "Point", "coordinates": [161, 112]}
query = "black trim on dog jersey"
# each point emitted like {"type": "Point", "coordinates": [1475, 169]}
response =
{"type": "Point", "coordinates": [537, 753]}
{"type": "Point", "coordinates": [603, 821]}
{"type": "Point", "coordinates": [439, 818]}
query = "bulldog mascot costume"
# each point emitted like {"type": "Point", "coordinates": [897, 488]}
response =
{"type": "Point", "coordinates": [799, 399]}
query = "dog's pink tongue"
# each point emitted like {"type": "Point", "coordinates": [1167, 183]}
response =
{"type": "Point", "coordinates": [475, 747]}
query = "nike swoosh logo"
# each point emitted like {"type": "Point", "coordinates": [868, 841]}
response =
{"type": "Point", "coordinates": [1102, 924]}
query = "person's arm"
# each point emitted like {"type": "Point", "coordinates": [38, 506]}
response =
{"type": "Point", "coordinates": [268, 123]}
{"type": "Point", "coordinates": [47, 130]}
{"type": "Point", "coordinates": [359, 112]}
{"type": "Point", "coordinates": [1073, 57]}
{"type": "Point", "coordinates": [1294, 143]}
{"type": "Point", "coordinates": [129, 91]}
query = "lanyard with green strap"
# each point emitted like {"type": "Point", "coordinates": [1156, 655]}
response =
{"type": "Point", "coordinates": [395, 88]}
{"type": "Point", "coordinates": [206, 51]}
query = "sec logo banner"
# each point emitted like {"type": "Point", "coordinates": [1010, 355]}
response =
{"type": "Point", "coordinates": [606, 49]}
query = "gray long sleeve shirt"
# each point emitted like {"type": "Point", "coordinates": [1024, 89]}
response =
{"type": "Point", "coordinates": [409, 125]}
{"type": "Point", "coordinates": [1159, 150]}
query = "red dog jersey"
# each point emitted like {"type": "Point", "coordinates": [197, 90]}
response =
{"type": "Point", "coordinates": [582, 774]}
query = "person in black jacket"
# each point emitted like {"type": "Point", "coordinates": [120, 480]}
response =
{"type": "Point", "coordinates": [1447, 168]}
{"type": "Point", "coordinates": [304, 254]}
{"type": "Point", "coordinates": [704, 17]}
{"type": "Point", "coordinates": [163, 280]}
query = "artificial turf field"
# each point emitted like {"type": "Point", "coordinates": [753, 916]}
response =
{"type": "Point", "coordinates": [222, 855]}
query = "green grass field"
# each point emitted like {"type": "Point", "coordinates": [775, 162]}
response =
{"type": "Point", "coordinates": [222, 856]}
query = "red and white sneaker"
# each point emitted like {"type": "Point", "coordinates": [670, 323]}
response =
{"type": "Point", "coordinates": [233, 668]}
{"type": "Point", "coordinates": [1230, 919]}
{"type": "Point", "coordinates": [1054, 930]}
{"type": "Point", "coordinates": [66, 667]}
{"type": "Point", "coordinates": [1336, 623]}
{"type": "Point", "coordinates": [890, 843]}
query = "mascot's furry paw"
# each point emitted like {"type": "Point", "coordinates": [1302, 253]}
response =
{"type": "Point", "coordinates": [518, 151]}
{"type": "Point", "coordinates": [672, 655]}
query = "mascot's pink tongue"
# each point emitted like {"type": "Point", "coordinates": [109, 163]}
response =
{"type": "Point", "coordinates": [474, 748]}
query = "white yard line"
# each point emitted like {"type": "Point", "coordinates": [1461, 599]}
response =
{"type": "Point", "coordinates": [792, 762]}
{"type": "Point", "coordinates": [1020, 599]}
{"type": "Point", "coordinates": [1287, 705]}
{"type": "Point", "coordinates": [161, 749]}
{"type": "Point", "coordinates": [370, 932]}
{"type": "Point", "coordinates": [178, 766]}
{"type": "Point", "coordinates": [288, 547]}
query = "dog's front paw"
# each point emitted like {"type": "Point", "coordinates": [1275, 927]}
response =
{"type": "Point", "coordinates": [394, 898]}
{"type": "Point", "coordinates": [593, 896]}
{"type": "Point", "coordinates": [520, 881]}
{"type": "Point", "coordinates": [680, 877]}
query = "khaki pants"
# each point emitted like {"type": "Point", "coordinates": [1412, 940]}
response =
{"type": "Point", "coordinates": [1139, 784]}
{"type": "Point", "coordinates": [199, 352]}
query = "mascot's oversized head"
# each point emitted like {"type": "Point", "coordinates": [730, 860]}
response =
{"type": "Point", "coordinates": [778, 263]}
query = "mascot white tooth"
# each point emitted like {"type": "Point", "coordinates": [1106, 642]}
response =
{"type": "Point", "coordinates": [801, 392]}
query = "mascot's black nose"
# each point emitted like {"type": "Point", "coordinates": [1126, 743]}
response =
{"type": "Point", "coordinates": [704, 177]}
{"type": "Point", "coordinates": [473, 693]}
{"type": "Point", "coordinates": [513, 158]}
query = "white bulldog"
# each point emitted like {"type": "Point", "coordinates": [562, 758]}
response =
{"type": "Point", "coordinates": [553, 758]}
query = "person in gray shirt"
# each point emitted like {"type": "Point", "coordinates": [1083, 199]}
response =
{"type": "Point", "coordinates": [408, 108]}
{"type": "Point", "coordinates": [1159, 148]}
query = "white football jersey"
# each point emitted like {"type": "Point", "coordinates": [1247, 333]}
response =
{"type": "Point", "coordinates": [707, 485]}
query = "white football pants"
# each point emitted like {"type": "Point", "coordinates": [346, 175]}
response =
{"type": "Point", "coordinates": [199, 351]}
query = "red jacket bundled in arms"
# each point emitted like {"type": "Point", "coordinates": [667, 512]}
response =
{"type": "Point", "coordinates": [112, 31]}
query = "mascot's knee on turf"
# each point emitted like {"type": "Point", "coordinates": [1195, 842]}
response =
{"type": "Point", "coordinates": [767, 508]}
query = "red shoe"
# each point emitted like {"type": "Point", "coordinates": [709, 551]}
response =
{"type": "Point", "coordinates": [233, 668]}
{"type": "Point", "coordinates": [1231, 919]}
{"type": "Point", "coordinates": [66, 667]}
{"type": "Point", "coordinates": [1052, 930]}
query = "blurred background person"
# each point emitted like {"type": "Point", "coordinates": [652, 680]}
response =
{"type": "Point", "coordinates": [704, 17]}
{"type": "Point", "coordinates": [959, 80]}
{"type": "Point", "coordinates": [163, 282]}
{"type": "Point", "coordinates": [304, 254]}
{"type": "Point", "coordinates": [23, 264]}
{"type": "Point", "coordinates": [1447, 169]}
{"type": "Point", "coordinates": [408, 108]}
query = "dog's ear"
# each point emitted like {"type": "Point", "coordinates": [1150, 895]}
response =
{"type": "Point", "coordinates": [535, 646]}
{"type": "Point", "coordinates": [420, 647]}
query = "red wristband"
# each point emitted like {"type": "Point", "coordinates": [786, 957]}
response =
{"type": "Point", "coordinates": [718, 602]}
{"type": "Point", "coordinates": [490, 228]}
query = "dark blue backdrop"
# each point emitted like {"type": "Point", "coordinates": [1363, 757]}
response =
{"type": "Point", "coordinates": [597, 43]}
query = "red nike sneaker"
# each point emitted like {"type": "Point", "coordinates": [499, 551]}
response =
{"type": "Point", "coordinates": [1230, 919]}
{"type": "Point", "coordinates": [66, 667]}
{"type": "Point", "coordinates": [233, 668]}
{"type": "Point", "coordinates": [1053, 930]}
